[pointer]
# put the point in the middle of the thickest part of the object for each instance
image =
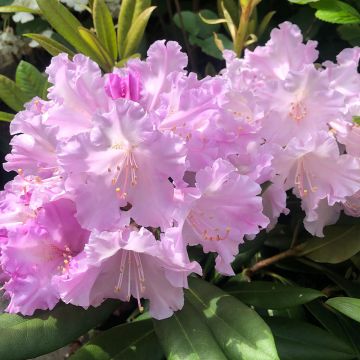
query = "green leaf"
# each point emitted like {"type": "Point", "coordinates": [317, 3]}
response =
{"type": "Point", "coordinates": [265, 23]}
{"type": "Point", "coordinates": [4, 116]}
{"type": "Point", "coordinates": [231, 6]}
{"type": "Point", "coordinates": [202, 25]}
{"type": "Point", "coordinates": [347, 306]}
{"type": "Point", "coordinates": [104, 27]}
{"type": "Point", "coordinates": [11, 94]}
{"type": "Point", "coordinates": [136, 32]}
{"type": "Point", "coordinates": [239, 330]}
{"type": "Point", "coordinates": [124, 22]}
{"type": "Point", "coordinates": [269, 295]}
{"type": "Point", "coordinates": [30, 80]}
{"type": "Point", "coordinates": [140, 6]}
{"type": "Point", "coordinates": [351, 34]}
{"type": "Point", "coordinates": [133, 341]}
{"type": "Point", "coordinates": [303, 2]}
{"type": "Point", "coordinates": [209, 47]}
{"type": "Point", "coordinates": [53, 47]}
{"type": "Point", "coordinates": [101, 56]}
{"type": "Point", "coordinates": [66, 24]}
{"type": "Point", "coordinates": [339, 244]}
{"type": "Point", "coordinates": [336, 11]}
{"type": "Point", "coordinates": [297, 340]}
{"type": "Point", "coordinates": [24, 337]}
{"type": "Point", "coordinates": [185, 336]}
{"type": "Point", "coordinates": [15, 8]}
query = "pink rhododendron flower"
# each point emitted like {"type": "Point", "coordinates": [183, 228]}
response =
{"type": "Point", "coordinates": [118, 173]}
{"type": "Point", "coordinates": [127, 263]}
{"type": "Point", "coordinates": [125, 161]}
{"type": "Point", "coordinates": [315, 170]}
{"type": "Point", "coordinates": [38, 250]}
{"type": "Point", "coordinates": [126, 86]}
{"type": "Point", "coordinates": [221, 211]}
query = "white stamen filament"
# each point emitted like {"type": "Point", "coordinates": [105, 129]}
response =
{"type": "Point", "coordinates": [304, 179]}
{"type": "Point", "coordinates": [129, 259]}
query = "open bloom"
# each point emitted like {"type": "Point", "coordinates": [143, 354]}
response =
{"type": "Point", "coordinates": [38, 250]}
{"type": "Point", "coordinates": [315, 170]}
{"type": "Point", "coordinates": [222, 209]}
{"type": "Point", "coordinates": [126, 263]}
{"type": "Point", "coordinates": [125, 161]}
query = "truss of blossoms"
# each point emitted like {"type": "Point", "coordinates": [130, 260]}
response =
{"type": "Point", "coordinates": [118, 173]}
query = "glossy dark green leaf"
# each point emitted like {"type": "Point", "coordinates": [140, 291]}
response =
{"type": "Point", "coordinates": [351, 34]}
{"type": "Point", "coordinates": [11, 94]}
{"type": "Point", "coordinates": [339, 325]}
{"type": "Point", "coordinates": [104, 27]}
{"type": "Point", "coordinates": [239, 330]}
{"type": "Point", "coordinates": [339, 244]}
{"type": "Point", "coordinates": [296, 340]}
{"type": "Point", "coordinates": [53, 47]}
{"type": "Point", "coordinates": [30, 80]}
{"type": "Point", "coordinates": [133, 341]}
{"type": "Point", "coordinates": [185, 336]}
{"type": "Point", "coordinates": [347, 306]}
{"type": "Point", "coordinates": [270, 295]}
{"type": "Point", "coordinates": [25, 337]}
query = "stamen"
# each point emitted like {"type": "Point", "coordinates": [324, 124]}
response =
{"type": "Point", "coordinates": [127, 171]}
{"type": "Point", "coordinates": [202, 226]}
{"type": "Point", "coordinates": [298, 111]}
{"type": "Point", "coordinates": [304, 179]}
{"type": "Point", "coordinates": [136, 277]}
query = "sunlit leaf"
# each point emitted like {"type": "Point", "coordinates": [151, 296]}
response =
{"type": "Point", "coordinates": [185, 336]}
{"type": "Point", "coordinates": [104, 27]}
{"type": "Point", "coordinates": [4, 116]}
{"type": "Point", "coordinates": [347, 306]}
{"type": "Point", "coordinates": [336, 11]}
{"type": "Point", "coordinates": [53, 47]}
{"type": "Point", "coordinates": [239, 330]}
{"type": "Point", "coordinates": [25, 337]}
{"type": "Point", "coordinates": [136, 32]}
{"type": "Point", "coordinates": [16, 8]}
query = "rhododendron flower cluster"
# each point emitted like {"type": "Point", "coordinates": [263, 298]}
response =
{"type": "Point", "coordinates": [118, 173]}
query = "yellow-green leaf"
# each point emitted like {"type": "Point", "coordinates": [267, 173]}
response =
{"type": "Point", "coordinates": [4, 116]}
{"type": "Point", "coordinates": [136, 32]}
{"type": "Point", "coordinates": [15, 8]}
{"type": "Point", "coordinates": [53, 47]}
{"type": "Point", "coordinates": [66, 24]}
{"type": "Point", "coordinates": [104, 27]}
{"type": "Point", "coordinates": [101, 56]}
{"type": "Point", "coordinates": [124, 22]}
{"type": "Point", "coordinates": [347, 306]}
